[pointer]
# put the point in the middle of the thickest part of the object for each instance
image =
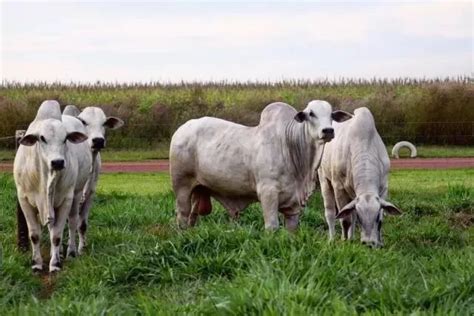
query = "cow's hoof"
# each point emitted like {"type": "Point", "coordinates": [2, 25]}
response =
{"type": "Point", "coordinates": [55, 267]}
{"type": "Point", "coordinates": [71, 254]}
{"type": "Point", "coordinates": [81, 250]}
{"type": "Point", "coordinates": [37, 268]}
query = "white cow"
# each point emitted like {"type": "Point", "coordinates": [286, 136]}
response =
{"type": "Point", "coordinates": [94, 122]}
{"type": "Point", "coordinates": [45, 172]}
{"type": "Point", "coordinates": [84, 158]}
{"type": "Point", "coordinates": [274, 163]}
{"type": "Point", "coordinates": [354, 179]}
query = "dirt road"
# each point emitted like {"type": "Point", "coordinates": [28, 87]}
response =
{"type": "Point", "coordinates": [163, 165]}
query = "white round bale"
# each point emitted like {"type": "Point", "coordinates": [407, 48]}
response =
{"type": "Point", "coordinates": [400, 145]}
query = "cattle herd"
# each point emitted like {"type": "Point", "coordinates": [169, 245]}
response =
{"type": "Point", "coordinates": [277, 163]}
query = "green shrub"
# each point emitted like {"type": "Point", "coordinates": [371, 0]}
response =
{"type": "Point", "coordinates": [424, 112]}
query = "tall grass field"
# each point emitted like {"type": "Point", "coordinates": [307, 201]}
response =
{"type": "Point", "coordinates": [425, 112]}
{"type": "Point", "coordinates": [138, 262]}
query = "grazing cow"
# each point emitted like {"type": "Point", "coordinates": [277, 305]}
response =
{"type": "Point", "coordinates": [94, 122]}
{"type": "Point", "coordinates": [354, 179]}
{"type": "Point", "coordinates": [274, 163]}
{"type": "Point", "coordinates": [45, 173]}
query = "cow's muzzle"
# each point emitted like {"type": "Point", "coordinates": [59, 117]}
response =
{"type": "Point", "coordinates": [327, 133]}
{"type": "Point", "coordinates": [98, 143]}
{"type": "Point", "coordinates": [57, 164]}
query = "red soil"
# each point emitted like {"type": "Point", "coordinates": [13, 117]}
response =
{"type": "Point", "coordinates": [163, 165]}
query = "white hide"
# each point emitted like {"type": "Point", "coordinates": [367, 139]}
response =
{"type": "Point", "coordinates": [94, 122]}
{"type": "Point", "coordinates": [274, 162]}
{"type": "Point", "coordinates": [354, 178]}
{"type": "Point", "coordinates": [45, 189]}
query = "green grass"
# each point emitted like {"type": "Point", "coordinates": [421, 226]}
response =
{"type": "Point", "coordinates": [161, 152]}
{"type": "Point", "coordinates": [138, 262]}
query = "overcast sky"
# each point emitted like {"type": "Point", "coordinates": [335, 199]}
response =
{"type": "Point", "coordinates": [195, 40]}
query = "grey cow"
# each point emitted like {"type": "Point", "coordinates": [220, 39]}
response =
{"type": "Point", "coordinates": [94, 122]}
{"type": "Point", "coordinates": [274, 163]}
{"type": "Point", "coordinates": [354, 179]}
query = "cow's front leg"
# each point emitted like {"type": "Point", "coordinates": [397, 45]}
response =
{"type": "Point", "coordinates": [34, 230]}
{"type": "Point", "coordinates": [347, 223]}
{"type": "Point", "coordinates": [292, 220]}
{"type": "Point", "coordinates": [330, 209]}
{"type": "Point", "coordinates": [194, 215]}
{"type": "Point", "coordinates": [234, 214]}
{"type": "Point", "coordinates": [83, 219]}
{"type": "Point", "coordinates": [56, 233]}
{"type": "Point", "coordinates": [350, 233]}
{"type": "Point", "coordinates": [73, 221]}
{"type": "Point", "coordinates": [269, 200]}
{"type": "Point", "coordinates": [183, 206]}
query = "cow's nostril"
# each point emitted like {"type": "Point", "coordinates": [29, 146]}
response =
{"type": "Point", "coordinates": [57, 164]}
{"type": "Point", "coordinates": [328, 130]}
{"type": "Point", "coordinates": [98, 142]}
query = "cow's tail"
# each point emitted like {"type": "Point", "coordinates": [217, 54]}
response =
{"type": "Point", "coordinates": [22, 229]}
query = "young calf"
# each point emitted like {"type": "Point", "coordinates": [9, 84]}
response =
{"type": "Point", "coordinates": [94, 122]}
{"type": "Point", "coordinates": [45, 175]}
{"type": "Point", "coordinates": [353, 177]}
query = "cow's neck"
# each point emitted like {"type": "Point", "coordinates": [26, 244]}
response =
{"type": "Point", "coordinates": [303, 153]}
{"type": "Point", "coordinates": [95, 154]}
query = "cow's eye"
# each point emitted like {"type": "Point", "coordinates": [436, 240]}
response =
{"type": "Point", "coordinates": [83, 122]}
{"type": "Point", "coordinates": [312, 114]}
{"type": "Point", "coordinates": [43, 139]}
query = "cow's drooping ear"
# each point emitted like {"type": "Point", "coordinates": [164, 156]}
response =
{"type": "Point", "coordinates": [389, 208]}
{"type": "Point", "coordinates": [29, 140]}
{"type": "Point", "coordinates": [347, 210]}
{"type": "Point", "coordinates": [113, 122]}
{"type": "Point", "coordinates": [341, 116]}
{"type": "Point", "coordinates": [300, 117]}
{"type": "Point", "coordinates": [76, 137]}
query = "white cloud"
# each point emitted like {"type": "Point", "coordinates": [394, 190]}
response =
{"type": "Point", "coordinates": [85, 42]}
{"type": "Point", "coordinates": [449, 19]}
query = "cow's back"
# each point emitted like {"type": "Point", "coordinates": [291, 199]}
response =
{"type": "Point", "coordinates": [354, 140]}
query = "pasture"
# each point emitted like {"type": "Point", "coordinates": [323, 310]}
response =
{"type": "Point", "coordinates": [137, 261]}
{"type": "Point", "coordinates": [161, 152]}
